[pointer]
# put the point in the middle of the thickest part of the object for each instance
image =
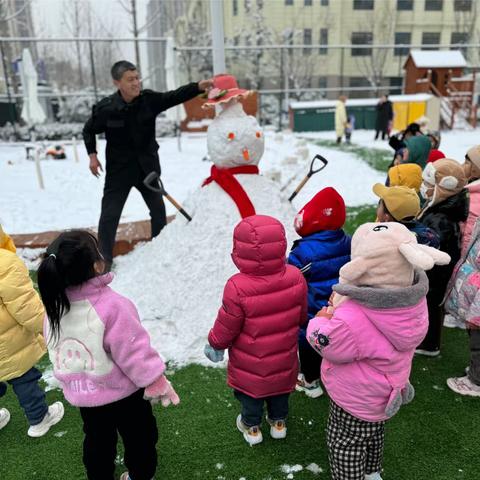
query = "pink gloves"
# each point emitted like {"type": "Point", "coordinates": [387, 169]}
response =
{"type": "Point", "coordinates": [162, 391]}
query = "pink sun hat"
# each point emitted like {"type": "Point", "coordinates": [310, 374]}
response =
{"type": "Point", "coordinates": [225, 87]}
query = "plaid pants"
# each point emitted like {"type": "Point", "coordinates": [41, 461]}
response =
{"type": "Point", "coordinates": [355, 447]}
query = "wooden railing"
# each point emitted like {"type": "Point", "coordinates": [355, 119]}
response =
{"type": "Point", "coordinates": [459, 100]}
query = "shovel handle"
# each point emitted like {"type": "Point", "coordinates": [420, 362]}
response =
{"type": "Point", "coordinates": [178, 207]}
{"type": "Point", "coordinates": [152, 177]}
{"type": "Point", "coordinates": [324, 162]}
{"type": "Point", "coordinates": [300, 186]}
{"type": "Point", "coordinates": [155, 177]}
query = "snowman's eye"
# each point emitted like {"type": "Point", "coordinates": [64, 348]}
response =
{"type": "Point", "coordinates": [231, 136]}
{"type": "Point", "coordinates": [258, 134]}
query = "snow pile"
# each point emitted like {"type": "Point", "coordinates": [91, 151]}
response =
{"type": "Point", "coordinates": [314, 468]}
{"type": "Point", "coordinates": [177, 280]}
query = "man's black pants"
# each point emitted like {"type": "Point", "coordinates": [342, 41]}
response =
{"type": "Point", "coordinates": [133, 419]}
{"type": "Point", "coordinates": [115, 194]}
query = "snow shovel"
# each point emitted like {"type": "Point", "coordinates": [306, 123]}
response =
{"type": "Point", "coordinates": [312, 171]}
{"type": "Point", "coordinates": [154, 176]}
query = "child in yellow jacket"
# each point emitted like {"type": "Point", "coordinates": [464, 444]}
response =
{"type": "Point", "coordinates": [21, 342]}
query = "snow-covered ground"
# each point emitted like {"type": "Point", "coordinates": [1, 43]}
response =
{"type": "Point", "coordinates": [149, 275]}
{"type": "Point", "coordinates": [72, 196]}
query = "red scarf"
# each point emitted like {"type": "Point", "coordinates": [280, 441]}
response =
{"type": "Point", "coordinates": [225, 178]}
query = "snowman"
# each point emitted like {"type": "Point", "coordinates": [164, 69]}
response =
{"type": "Point", "coordinates": [177, 279]}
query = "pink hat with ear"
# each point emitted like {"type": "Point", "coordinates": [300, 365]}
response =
{"type": "Point", "coordinates": [386, 255]}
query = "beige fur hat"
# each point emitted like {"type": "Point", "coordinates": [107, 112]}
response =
{"type": "Point", "coordinates": [385, 255]}
{"type": "Point", "coordinates": [441, 180]}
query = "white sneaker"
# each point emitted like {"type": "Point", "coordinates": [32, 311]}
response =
{"type": "Point", "coordinates": [373, 476]}
{"type": "Point", "coordinates": [53, 416]}
{"type": "Point", "coordinates": [278, 429]}
{"type": "Point", "coordinates": [450, 321]}
{"type": "Point", "coordinates": [427, 353]}
{"type": "Point", "coordinates": [252, 435]}
{"type": "Point", "coordinates": [464, 386]}
{"type": "Point", "coordinates": [312, 390]}
{"type": "Point", "coordinates": [4, 417]}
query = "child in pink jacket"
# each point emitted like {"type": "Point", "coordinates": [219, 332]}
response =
{"type": "Point", "coordinates": [102, 357]}
{"type": "Point", "coordinates": [367, 339]}
{"type": "Point", "coordinates": [263, 307]}
{"type": "Point", "coordinates": [471, 168]}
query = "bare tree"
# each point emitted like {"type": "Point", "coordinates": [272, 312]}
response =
{"type": "Point", "coordinates": [190, 31]}
{"type": "Point", "coordinates": [466, 25]}
{"type": "Point", "coordinates": [382, 25]}
{"type": "Point", "coordinates": [130, 6]}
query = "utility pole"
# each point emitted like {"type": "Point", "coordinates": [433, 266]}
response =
{"type": "Point", "coordinates": [218, 36]}
{"type": "Point", "coordinates": [135, 34]}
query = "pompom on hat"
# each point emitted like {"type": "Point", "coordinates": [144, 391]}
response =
{"type": "Point", "coordinates": [325, 211]}
{"type": "Point", "coordinates": [225, 87]}
{"type": "Point", "coordinates": [435, 155]}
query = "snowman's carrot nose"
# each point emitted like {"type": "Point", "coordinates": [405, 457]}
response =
{"type": "Point", "coordinates": [246, 155]}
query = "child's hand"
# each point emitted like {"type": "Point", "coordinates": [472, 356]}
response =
{"type": "Point", "coordinates": [326, 312]}
{"type": "Point", "coordinates": [161, 390]}
{"type": "Point", "coordinates": [212, 354]}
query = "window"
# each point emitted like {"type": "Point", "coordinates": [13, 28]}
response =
{"type": "Point", "coordinates": [288, 2]}
{"type": "Point", "coordinates": [404, 4]}
{"type": "Point", "coordinates": [433, 5]}
{"type": "Point", "coordinates": [462, 5]}
{"type": "Point", "coordinates": [235, 7]}
{"type": "Point", "coordinates": [402, 38]}
{"type": "Point", "coordinates": [236, 40]}
{"type": "Point", "coordinates": [363, 4]}
{"type": "Point", "coordinates": [323, 41]}
{"type": "Point", "coordinates": [307, 40]}
{"type": "Point", "coordinates": [307, 3]}
{"type": "Point", "coordinates": [324, 3]}
{"type": "Point", "coordinates": [459, 38]}
{"type": "Point", "coordinates": [259, 4]}
{"type": "Point", "coordinates": [358, 82]}
{"type": "Point", "coordinates": [362, 38]}
{"type": "Point", "coordinates": [396, 82]}
{"type": "Point", "coordinates": [322, 82]}
{"type": "Point", "coordinates": [430, 38]}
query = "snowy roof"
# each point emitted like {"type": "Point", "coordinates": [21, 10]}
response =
{"type": "Point", "coordinates": [438, 59]}
{"type": "Point", "coordinates": [360, 102]}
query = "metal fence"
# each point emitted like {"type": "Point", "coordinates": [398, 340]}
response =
{"type": "Point", "coordinates": [72, 69]}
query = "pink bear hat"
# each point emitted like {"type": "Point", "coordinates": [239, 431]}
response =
{"type": "Point", "coordinates": [386, 255]}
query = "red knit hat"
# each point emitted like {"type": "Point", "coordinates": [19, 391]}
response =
{"type": "Point", "coordinates": [435, 155]}
{"type": "Point", "coordinates": [325, 211]}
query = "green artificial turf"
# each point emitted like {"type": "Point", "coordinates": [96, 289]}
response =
{"type": "Point", "coordinates": [436, 437]}
{"type": "Point", "coordinates": [376, 158]}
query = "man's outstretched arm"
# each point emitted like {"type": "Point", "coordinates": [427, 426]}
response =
{"type": "Point", "coordinates": [165, 100]}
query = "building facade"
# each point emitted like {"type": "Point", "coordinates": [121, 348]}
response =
{"type": "Point", "coordinates": [340, 32]}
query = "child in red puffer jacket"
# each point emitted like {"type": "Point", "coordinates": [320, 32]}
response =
{"type": "Point", "coordinates": [263, 308]}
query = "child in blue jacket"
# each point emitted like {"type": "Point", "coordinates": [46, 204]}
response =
{"type": "Point", "coordinates": [323, 249]}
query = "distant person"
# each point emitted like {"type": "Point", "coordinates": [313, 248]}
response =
{"type": "Point", "coordinates": [127, 118]}
{"type": "Point", "coordinates": [349, 128]}
{"type": "Point", "coordinates": [384, 117]}
{"type": "Point", "coordinates": [340, 117]}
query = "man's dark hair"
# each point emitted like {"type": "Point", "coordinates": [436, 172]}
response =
{"type": "Point", "coordinates": [119, 68]}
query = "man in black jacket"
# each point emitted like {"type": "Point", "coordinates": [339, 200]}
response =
{"type": "Point", "coordinates": [128, 120]}
{"type": "Point", "coordinates": [384, 117]}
